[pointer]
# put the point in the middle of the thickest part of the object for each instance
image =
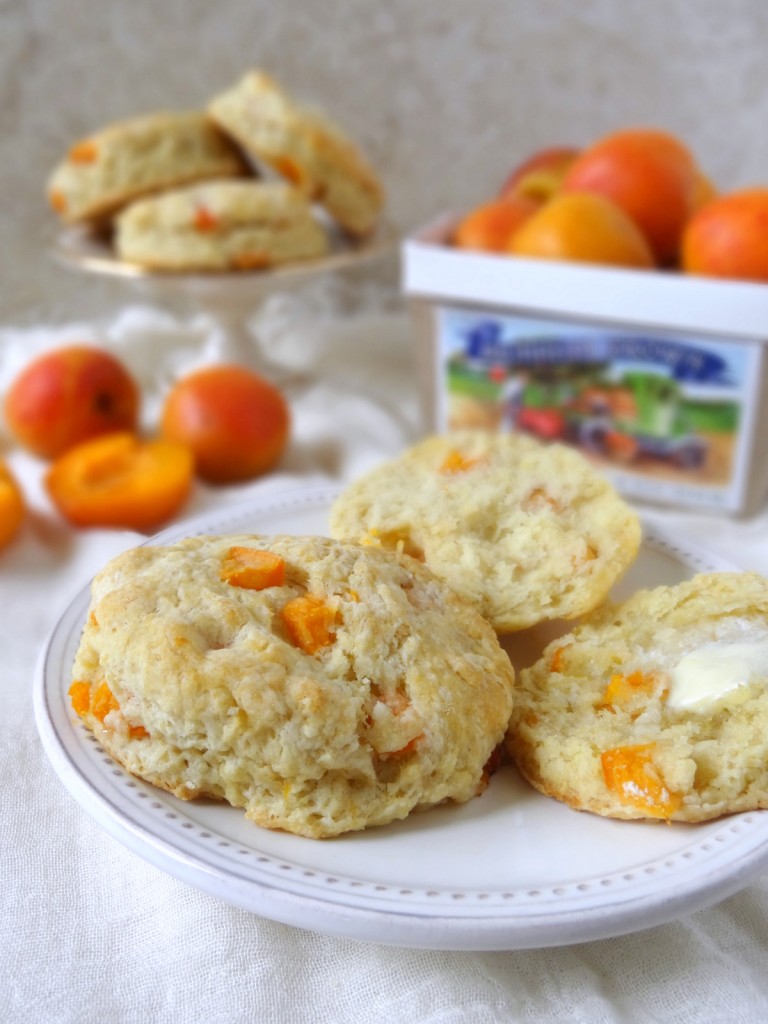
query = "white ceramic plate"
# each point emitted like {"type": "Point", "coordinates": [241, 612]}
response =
{"type": "Point", "coordinates": [509, 870]}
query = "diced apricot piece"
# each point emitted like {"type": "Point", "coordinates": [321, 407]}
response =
{"type": "Point", "coordinates": [83, 153]}
{"type": "Point", "coordinates": [103, 701]}
{"type": "Point", "coordinates": [205, 220]}
{"type": "Point", "coordinates": [409, 748]}
{"type": "Point", "coordinates": [57, 200]}
{"type": "Point", "coordinates": [80, 695]}
{"type": "Point", "coordinates": [556, 661]}
{"type": "Point", "coordinates": [250, 261]}
{"type": "Point", "coordinates": [630, 773]}
{"type": "Point", "coordinates": [253, 569]}
{"type": "Point", "coordinates": [309, 621]}
{"type": "Point", "coordinates": [11, 506]}
{"type": "Point", "coordinates": [455, 462]}
{"type": "Point", "coordinates": [68, 395]}
{"type": "Point", "coordinates": [137, 732]}
{"type": "Point", "coordinates": [121, 481]}
{"type": "Point", "coordinates": [622, 689]}
{"type": "Point", "coordinates": [290, 170]}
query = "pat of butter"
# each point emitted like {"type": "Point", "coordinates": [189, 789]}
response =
{"type": "Point", "coordinates": [703, 677]}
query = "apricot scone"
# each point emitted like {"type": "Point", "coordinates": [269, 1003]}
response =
{"type": "Point", "coordinates": [134, 158]}
{"type": "Point", "coordinates": [528, 532]}
{"type": "Point", "coordinates": [221, 225]}
{"type": "Point", "coordinates": [303, 146]}
{"type": "Point", "coordinates": [654, 708]}
{"type": "Point", "coordinates": [321, 686]}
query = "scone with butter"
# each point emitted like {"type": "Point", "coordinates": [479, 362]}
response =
{"type": "Point", "coordinates": [528, 532]}
{"type": "Point", "coordinates": [322, 686]}
{"type": "Point", "coordinates": [220, 225]}
{"type": "Point", "coordinates": [133, 158]}
{"type": "Point", "coordinates": [654, 708]}
{"type": "Point", "coordinates": [303, 146]}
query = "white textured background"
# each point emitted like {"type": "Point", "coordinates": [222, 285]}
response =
{"type": "Point", "coordinates": [444, 95]}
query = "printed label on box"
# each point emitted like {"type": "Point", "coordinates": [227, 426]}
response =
{"type": "Point", "coordinates": [668, 417]}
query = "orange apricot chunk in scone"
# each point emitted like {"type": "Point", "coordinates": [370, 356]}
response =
{"type": "Point", "coordinates": [252, 569]}
{"type": "Point", "coordinates": [99, 702]}
{"type": "Point", "coordinates": [309, 621]}
{"type": "Point", "coordinates": [121, 481]}
{"type": "Point", "coordinates": [11, 506]}
{"type": "Point", "coordinates": [631, 774]}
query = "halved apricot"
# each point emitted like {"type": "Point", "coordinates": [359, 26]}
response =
{"type": "Point", "coordinates": [121, 481]}
{"type": "Point", "coordinates": [11, 506]}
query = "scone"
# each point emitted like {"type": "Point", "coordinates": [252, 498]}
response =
{"type": "Point", "coordinates": [304, 147]}
{"type": "Point", "coordinates": [528, 532]}
{"type": "Point", "coordinates": [322, 686]}
{"type": "Point", "coordinates": [656, 708]}
{"type": "Point", "coordinates": [134, 158]}
{"type": "Point", "coordinates": [222, 225]}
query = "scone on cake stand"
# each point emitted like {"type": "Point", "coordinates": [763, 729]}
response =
{"type": "Point", "coordinates": [231, 298]}
{"type": "Point", "coordinates": [220, 207]}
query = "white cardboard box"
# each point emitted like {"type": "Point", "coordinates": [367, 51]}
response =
{"type": "Point", "coordinates": [661, 378]}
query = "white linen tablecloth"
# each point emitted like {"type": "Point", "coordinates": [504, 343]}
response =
{"type": "Point", "coordinates": [89, 932]}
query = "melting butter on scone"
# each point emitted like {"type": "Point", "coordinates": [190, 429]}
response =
{"type": "Point", "coordinates": [654, 708]}
{"type": "Point", "coordinates": [322, 686]}
{"type": "Point", "coordinates": [134, 158]}
{"type": "Point", "coordinates": [528, 532]}
{"type": "Point", "coordinates": [221, 225]}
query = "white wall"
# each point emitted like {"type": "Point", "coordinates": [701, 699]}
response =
{"type": "Point", "coordinates": [444, 95]}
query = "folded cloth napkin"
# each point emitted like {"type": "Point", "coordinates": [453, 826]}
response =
{"type": "Point", "coordinates": [92, 933]}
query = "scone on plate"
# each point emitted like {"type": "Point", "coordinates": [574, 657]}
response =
{"type": "Point", "coordinates": [322, 686]}
{"type": "Point", "coordinates": [655, 708]}
{"type": "Point", "coordinates": [134, 158]}
{"type": "Point", "coordinates": [303, 146]}
{"type": "Point", "coordinates": [528, 532]}
{"type": "Point", "coordinates": [220, 225]}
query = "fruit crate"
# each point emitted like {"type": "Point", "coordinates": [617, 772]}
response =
{"type": "Point", "coordinates": [660, 378]}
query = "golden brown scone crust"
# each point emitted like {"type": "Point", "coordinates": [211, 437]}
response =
{"type": "Point", "coordinates": [137, 157]}
{"type": "Point", "coordinates": [693, 763]}
{"type": "Point", "coordinates": [527, 532]}
{"type": "Point", "coordinates": [303, 146]}
{"type": "Point", "coordinates": [400, 710]}
{"type": "Point", "coordinates": [221, 225]}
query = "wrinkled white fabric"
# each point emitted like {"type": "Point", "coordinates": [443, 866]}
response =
{"type": "Point", "coordinates": [89, 932]}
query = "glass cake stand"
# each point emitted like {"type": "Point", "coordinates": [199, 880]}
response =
{"type": "Point", "coordinates": [230, 298]}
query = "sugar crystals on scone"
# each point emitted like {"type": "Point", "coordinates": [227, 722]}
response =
{"type": "Point", "coordinates": [529, 532]}
{"type": "Point", "coordinates": [322, 686]}
{"type": "Point", "coordinates": [656, 708]}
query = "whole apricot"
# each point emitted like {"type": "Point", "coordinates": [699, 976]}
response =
{"type": "Point", "coordinates": [488, 228]}
{"type": "Point", "coordinates": [235, 422]}
{"type": "Point", "coordinates": [540, 175]}
{"type": "Point", "coordinates": [119, 480]}
{"type": "Point", "coordinates": [728, 237]}
{"type": "Point", "coordinates": [11, 506]}
{"type": "Point", "coordinates": [67, 396]}
{"type": "Point", "coordinates": [585, 228]}
{"type": "Point", "coordinates": [650, 175]}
